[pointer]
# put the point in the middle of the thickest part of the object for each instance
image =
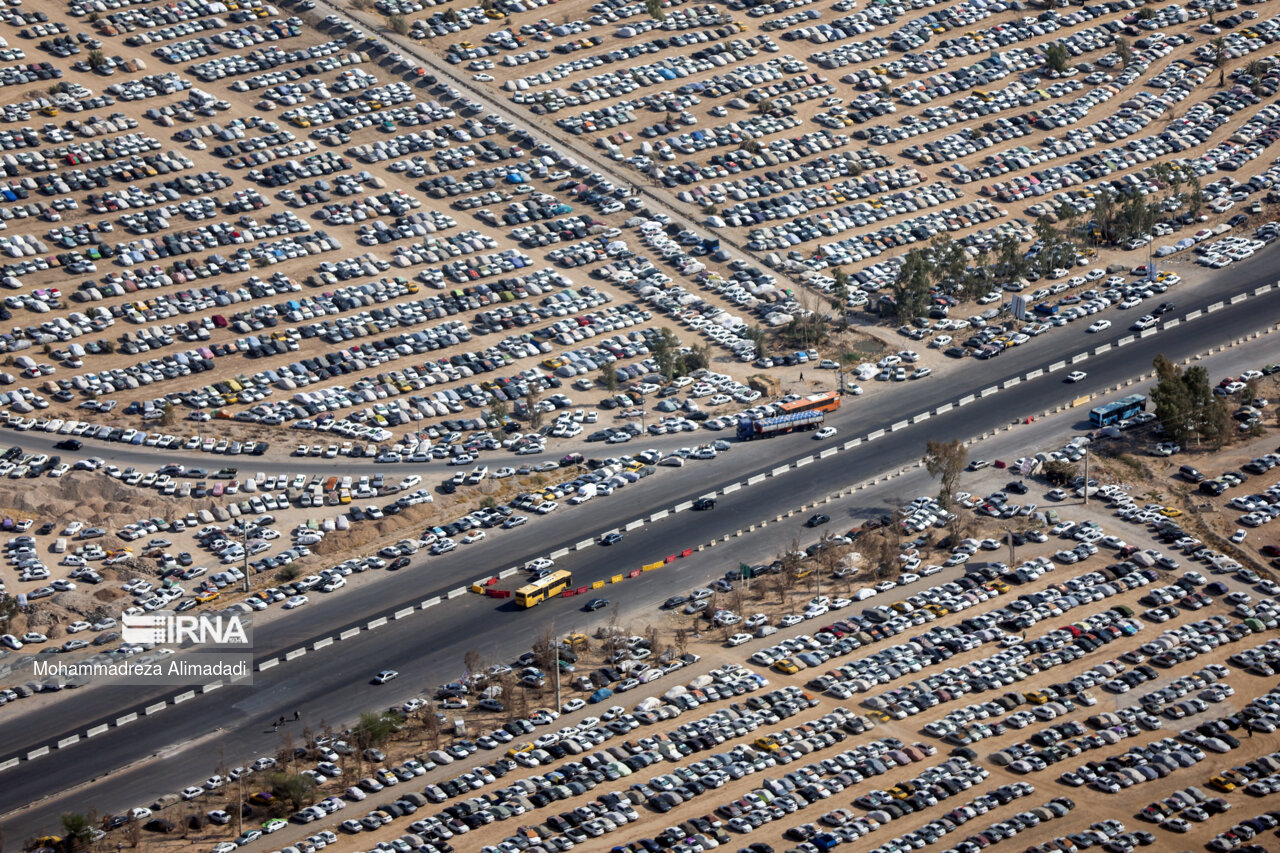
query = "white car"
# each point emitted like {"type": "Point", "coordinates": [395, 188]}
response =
{"type": "Point", "coordinates": [473, 536]}
{"type": "Point", "coordinates": [1076, 376]}
{"type": "Point", "coordinates": [738, 639]}
{"type": "Point", "coordinates": [1100, 326]}
{"type": "Point", "coordinates": [825, 432]}
{"type": "Point", "coordinates": [296, 601]}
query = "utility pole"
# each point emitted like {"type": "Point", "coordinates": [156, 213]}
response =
{"type": "Point", "coordinates": [240, 807]}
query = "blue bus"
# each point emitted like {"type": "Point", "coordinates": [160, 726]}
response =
{"type": "Point", "coordinates": [1117, 410]}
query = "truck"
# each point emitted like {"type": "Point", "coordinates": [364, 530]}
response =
{"type": "Point", "coordinates": [752, 428]}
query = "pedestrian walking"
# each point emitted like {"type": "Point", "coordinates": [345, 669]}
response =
{"type": "Point", "coordinates": [297, 715]}
{"type": "Point", "coordinates": [275, 727]}
{"type": "Point", "coordinates": [281, 723]}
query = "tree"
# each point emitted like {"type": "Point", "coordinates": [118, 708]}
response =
{"type": "Point", "coordinates": [1125, 51]}
{"type": "Point", "coordinates": [169, 414]}
{"type": "Point", "coordinates": [608, 378]}
{"type": "Point", "coordinates": [291, 788]}
{"type": "Point", "coordinates": [1058, 472]}
{"type": "Point", "coordinates": [698, 357]}
{"type": "Point", "coordinates": [431, 722]}
{"type": "Point", "coordinates": [1012, 260]}
{"type": "Point", "coordinates": [760, 338]}
{"type": "Point", "coordinates": [1219, 46]}
{"type": "Point", "coordinates": [655, 10]}
{"type": "Point", "coordinates": [764, 106]}
{"type": "Point", "coordinates": [911, 287]}
{"type": "Point", "coordinates": [532, 399]}
{"type": "Point", "coordinates": [1214, 423]}
{"type": "Point", "coordinates": [545, 652]}
{"type": "Point", "coordinates": [397, 24]}
{"type": "Point", "coordinates": [840, 300]}
{"type": "Point", "coordinates": [1256, 69]}
{"type": "Point", "coordinates": [77, 831]}
{"type": "Point", "coordinates": [665, 349]}
{"type": "Point", "coordinates": [1172, 401]}
{"type": "Point", "coordinates": [1186, 406]}
{"type": "Point", "coordinates": [1056, 57]}
{"type": "Point", "coordinates": [374, 729]}
{"type": "Point", "coordinates": [97, 59]}
{"type": "Point", "coordinates": [945, 460]}
{"type": "Point", "coordinates": [474, 662]}
{"type": "Point", "coordinates": [8, 609]}
{"type": "Point", "coordinates": [1195, 196]}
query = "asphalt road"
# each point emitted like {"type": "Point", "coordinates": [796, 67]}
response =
{"type": "Point", "coordinates": [427, 648]}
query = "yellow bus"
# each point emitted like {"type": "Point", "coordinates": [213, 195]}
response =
{"type": "Point", "coordinates": [543, 588]}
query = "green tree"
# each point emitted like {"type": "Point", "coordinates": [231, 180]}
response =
{"type": "Point", "coordinates": [77, 831]}
{"type": "Point", "coordinates": [1186, 405]}
{"type": "Point", "coordinates": [1195, 196]}
{"type": "Point", "coordinates": [840, 300]}
{"type": "Point", "coordinates": [608, 378]}
{"type": "Point", "coordinates": [1215, 423]}
{"type": "Point", "coordinates": [1056, 57]}
{"type": "Point", "coordinates": [911, 287]}
{"type": "Point", "coordinates": [97, 59]}
{"type": "Point", "coordinates": [293, 789]}
{"type": "Point", "coordinates": [397, 24]}
{"type": "Point", "coordinates": [169, 414]}
{"type": "Point", "coordinates": [1124, 50]}
{"type": "Point", "coordinates": [1219, 46]}
{"type": "Point", "coordinates": [1011, 259]}
{"type": "Point", "coordinates": [945, 460]}
{"type": "Point", "coordinates": [665, 349]}
{"type": "Point", "coordinates": [1058, 472]}
{"type": "Point", "coordinates": [1172, 401]}
{"type": "Point", "coordinates": [697, 358]}
{"type": "Point", "coordinates": [1256, 69]}
{"type": "Point", "coordinates": [532, 399]}
{"type": "Point", "coordinates": [760, 338]}
{"type": "Point", "coordinates": [655, 10]}
{"type": "Point", "coordinates": [8, 609]}
{"type": "Point", "coordinates": [374, 729]}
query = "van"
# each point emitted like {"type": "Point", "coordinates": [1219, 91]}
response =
{"type": "Point", "coordinates": [60, 545]}
{"type": "Point", "coordinates": [1190, 473]}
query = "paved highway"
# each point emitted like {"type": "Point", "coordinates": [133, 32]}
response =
{"type": "Point", "coordinates": [427, 648]}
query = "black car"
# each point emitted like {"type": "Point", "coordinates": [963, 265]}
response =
{"type": "Point", "coordinates": [611, 538]}
{"type": "Point", "coordinates": [596, 604]}
{"type": "Point", "coordinates": [674, 601]}
{"type": "Point", "coordinates": [398, 563]}
{"type": "Point", "coordinates": [1017, 487]}
{"type": "Point", "coordinates": [816, 520]}
{"type": "Point", "coordinates": [704, 503]}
